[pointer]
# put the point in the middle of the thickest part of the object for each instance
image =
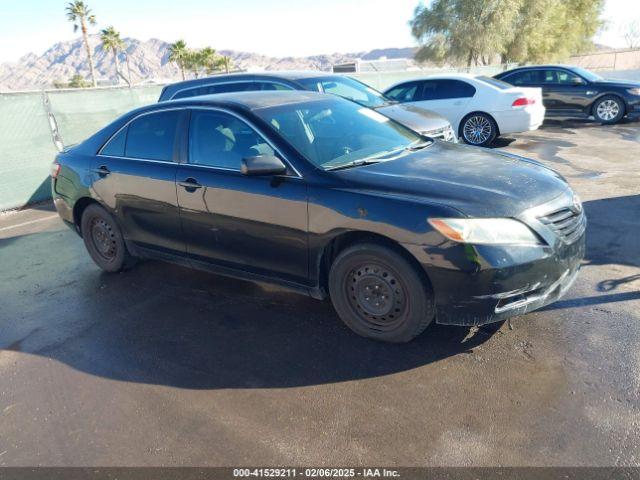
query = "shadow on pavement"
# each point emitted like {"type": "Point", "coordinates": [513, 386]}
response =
{"type": "Point", "coordinates": [613, 231]}
{"type": "Point", "coordinates": [167, 325]}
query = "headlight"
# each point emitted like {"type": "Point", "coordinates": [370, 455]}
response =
{"type": "Point", "coordinates": [490, 231]}
{"type": "Point", "coordinates": [442, 133]}
{"type": "Point", "coordinates": [449, 136]}
{"type": "Point", "coordinates": [634, 91]}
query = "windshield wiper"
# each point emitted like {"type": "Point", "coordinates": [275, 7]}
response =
{"type": "Point", "coordinates": [355, 163]}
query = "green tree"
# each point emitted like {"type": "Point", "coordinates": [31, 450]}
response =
{"type": "Point", "coordinates": [80, 14]}
{"type": "Point", "coordinates": [464, 31]}
{"type": "Point", "coordinates": [192, 62]}
{"type": "Point", "coordinates": [179, 53]}
{"type": "Point", "coordinates": [78, 81]}
{"type": "Point", "coordinates": [549, 30]}
{"type": "Point", "coordinates": [475, 31]}
{"type": "Point", "coordinates": [111, 40]}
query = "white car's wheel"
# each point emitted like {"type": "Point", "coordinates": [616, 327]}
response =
{"type": "Point", "coordinates": [478, 129]}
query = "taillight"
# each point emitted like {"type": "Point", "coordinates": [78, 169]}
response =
{"type": "Point", "coordinates": [523, 102]}
{"type": "Point", "coordinates": [55, 169]}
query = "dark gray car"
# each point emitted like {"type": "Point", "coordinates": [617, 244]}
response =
{"type": "Point", "coordinates": [418, 119]}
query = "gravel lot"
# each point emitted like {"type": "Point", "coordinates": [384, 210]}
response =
{"type": "Point", "coordinates": [167, 366]}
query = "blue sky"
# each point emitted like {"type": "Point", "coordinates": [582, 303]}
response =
{"type": "Point", "coordinates": [271, 27]}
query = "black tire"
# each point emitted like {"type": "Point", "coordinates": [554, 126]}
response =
{"type": "Point", "coordinates": [608, 109]}
{"type": "Point", "coordinates": [478, 129]}
{"type": "Point", "coordinates": [379, 294]}
{"type": "Point", "coordinates": [104, 241]}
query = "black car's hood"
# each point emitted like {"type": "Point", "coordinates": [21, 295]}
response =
{"type": "Point", "coordinates": [476, 181]}
{"type": "Point", "coordinates": [617, 82]}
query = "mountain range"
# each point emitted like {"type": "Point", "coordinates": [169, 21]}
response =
{"type": "Point", "coordinates": [149, 61]}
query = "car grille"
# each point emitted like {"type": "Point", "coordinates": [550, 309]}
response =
{"type": "Point", "coordinates": [569, 223]}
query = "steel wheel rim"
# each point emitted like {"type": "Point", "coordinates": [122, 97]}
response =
{"type": "Point", "coordinates": [376, 296]}
{"type": "Point", "coordinates": [103, 238]}
{"type": "Point", "coordinates": [608, 110]}
{"type": "Point", "coordinates": [477, 129]}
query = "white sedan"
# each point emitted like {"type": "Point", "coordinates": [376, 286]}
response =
{"type": "Point", "coordinates": [479, 108]}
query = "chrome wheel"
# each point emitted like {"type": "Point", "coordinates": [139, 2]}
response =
{"type": "Point", "coordinates": [477, 129]}
{"type": "Point", "coordinates": [103, 238]}
{"type": "Point", "coordinates": [607, 110]}
{"type": "Point", "coordinates": [376, 296]}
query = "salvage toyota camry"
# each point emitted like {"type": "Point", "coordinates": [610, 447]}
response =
{"type": "Point", "coordinates": [329, 198]}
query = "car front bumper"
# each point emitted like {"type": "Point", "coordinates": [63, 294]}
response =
{"type": "Point", "coordinates": [475, 285]}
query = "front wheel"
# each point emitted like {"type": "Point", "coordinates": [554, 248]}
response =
{"type": "Point", "coordinates": [104, 241]}
{"type": "Point", "coordinates": [478, 129]}
{"type": "Point", "coordinates": [608, 110]}
{"type": "Point", "coordinates": [379, 294]}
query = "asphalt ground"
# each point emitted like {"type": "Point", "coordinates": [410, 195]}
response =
{"type": "Point", "coordinates": [163, 365]}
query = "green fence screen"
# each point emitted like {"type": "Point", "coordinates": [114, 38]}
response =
{"type": "Point", "coordinates": [26, 145]}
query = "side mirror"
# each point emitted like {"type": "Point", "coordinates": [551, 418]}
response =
{"type": "Point", "coordinates": [577, 81]}
{"type": "Point", "coordinates": [263, 165]}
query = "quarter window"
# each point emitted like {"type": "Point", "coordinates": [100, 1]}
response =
{"type": "Point", "coordinates": [220, 140]}
{"type": "Point", "coordinates": [151, 136]}
{"type": "Point", "coordinates": [115, 146]}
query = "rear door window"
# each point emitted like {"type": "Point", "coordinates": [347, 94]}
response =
{"type": "Point", "coordinates": [215, 88]}
{"type": "Point", "coordinates": [529, 77]}
{"type": "Point", "coordinates": [446, 89]}
{"type": "Point", "coordinates": [153, 136]}
{"type": "Point", "coordinates": [265, 85]}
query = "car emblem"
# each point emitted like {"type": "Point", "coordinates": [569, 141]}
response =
{"type": "Point", "coordinates": [577, 205]}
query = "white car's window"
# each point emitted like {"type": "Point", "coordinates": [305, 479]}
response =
{"type": "Point", "coordinates": [444, 89]}
{"type": "Point", "coordinates": [404, 93]}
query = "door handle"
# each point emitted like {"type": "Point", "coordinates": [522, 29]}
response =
{"type": "Point", "coordinates": [102, 170]}
{"type": "Point", "coordinates": [190, 184]}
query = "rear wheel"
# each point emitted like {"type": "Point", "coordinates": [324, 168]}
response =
{"type": "Point", "coordinates": [478, 129]}
{"type": "Point", "coordinates": [379, 294]}
{"type": "Point", "coordinates": [609, 109]}
{"type": "Point", "coordinates": [103, 239]}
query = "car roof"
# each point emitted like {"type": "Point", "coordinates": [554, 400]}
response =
{"type": "Point", "coordinates": [531, 67]}
{"type": "Point", "coordinates": [251, 100]}
{"type": "Point", "coordinates": [172, 88]}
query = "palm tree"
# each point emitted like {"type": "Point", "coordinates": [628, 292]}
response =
{"type": "Point", "coordinates": [208, 59]}
{"type": "Point", "coordinates": [80, 14]}
{"type": "Point", "coordinates": [111, 40]}
{"type": "Point", "coordinates": [179, 53]}
{"type": "Point", "coordinates": [226, 63]}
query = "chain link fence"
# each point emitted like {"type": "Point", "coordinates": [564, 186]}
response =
{"type": "Point", "coordinates": [27, 148]}
{"type": "Point", "coordinates": [26, 144]}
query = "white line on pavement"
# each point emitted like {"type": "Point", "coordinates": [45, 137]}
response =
{"type": "Point", "coordinates": [24, 224]}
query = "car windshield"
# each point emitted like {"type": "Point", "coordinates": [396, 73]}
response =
{"type": "Point", "coordinates": [586, 74]}
{"type": "Point", "coordinates": [348, 88]}
{"type": "Point", "coordinates": [334, 133]}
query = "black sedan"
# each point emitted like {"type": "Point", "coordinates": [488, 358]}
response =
{"type": "Point", "coordinates": [328, 198]}
{"type": "Point", "coordinates": [575, 92]}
